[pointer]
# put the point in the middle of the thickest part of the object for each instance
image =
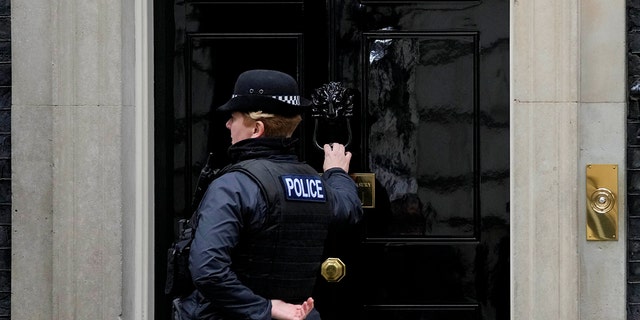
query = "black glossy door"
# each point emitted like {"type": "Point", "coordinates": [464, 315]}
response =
{"type": "Point", "coordinates": [430, 121]}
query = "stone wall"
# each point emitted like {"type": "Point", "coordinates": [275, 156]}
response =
{"type": "Point", "coordinates": [71, 127]}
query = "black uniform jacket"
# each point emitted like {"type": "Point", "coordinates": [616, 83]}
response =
{"type": "Point", "coordinates": [233, 205]}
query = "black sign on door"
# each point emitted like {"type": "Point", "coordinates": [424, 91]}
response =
{"type": "Point", "coordinates": [430, 122]}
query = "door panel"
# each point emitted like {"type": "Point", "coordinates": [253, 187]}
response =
{"type": "Point", "coordinates": [421, 111]}
{"type": "Point", "coordinates": [430, 121]}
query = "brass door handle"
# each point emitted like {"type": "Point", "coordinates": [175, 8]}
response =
{"type": "Point", "coordinates": [333, 269]}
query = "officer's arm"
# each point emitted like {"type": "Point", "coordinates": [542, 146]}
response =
{"type": "Point", "coordinates": [345, 201]}
{"type": "Point", "coordinates": [220, 221]}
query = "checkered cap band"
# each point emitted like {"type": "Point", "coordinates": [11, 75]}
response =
{"type": "Point", "coordinates": [293, 100]}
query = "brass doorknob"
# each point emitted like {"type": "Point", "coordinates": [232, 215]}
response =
{"type": "Point", "coordinates": [602, 200]}
{"type": "Point", "coordinates": [333, 269]}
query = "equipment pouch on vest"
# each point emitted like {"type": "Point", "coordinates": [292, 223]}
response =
{"type": "Point", "coordinates": [179, 281]}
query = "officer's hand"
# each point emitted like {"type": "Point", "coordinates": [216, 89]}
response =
{"type": "Point", "coordinates": [336, 157]}
{"type": "Point", "coordinates": [285, 311]}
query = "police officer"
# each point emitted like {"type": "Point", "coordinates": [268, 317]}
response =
{"type": "Point", "coordinates": [262, 224]}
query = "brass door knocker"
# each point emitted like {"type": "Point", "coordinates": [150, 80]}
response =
{"type": "Point", "coordinates": [332, 102]}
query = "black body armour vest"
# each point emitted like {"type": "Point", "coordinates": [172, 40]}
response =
{"type": "Point", "coordinates": [282, 260]}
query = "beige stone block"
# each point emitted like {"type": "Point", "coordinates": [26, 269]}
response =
{"type": "Point", "coordinates": [602, 263]}
{"type": "Point", "coordinates": [31, 50]}
{"type": "Point", "coordinates": [88, 212]}
{"type": "Point", "coordinates": [603, 51]}
{"type": "Point", "coordinates": [87, 67]}
{"type": "Point", "coordinates": [544, 53]}
{"type": "Point", "coordinates": [543, 211]}
{"type": "Point", "coordinates": [31, 238]}
{"type": "Point", "coordinates": [602, 130]}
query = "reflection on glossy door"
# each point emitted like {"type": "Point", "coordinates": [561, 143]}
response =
{"type": "Point", "coordinates": [429, 125]}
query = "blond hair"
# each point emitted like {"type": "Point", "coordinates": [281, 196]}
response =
{"type": "Point", "coordinates": [275, 125]}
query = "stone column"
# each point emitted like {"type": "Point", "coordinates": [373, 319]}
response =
{"type": "Point", "coordinates": [568, 110]}
{"type": "Point", "coordinates": [602, 140]}
{"type": "Point", "coordinates": [73, 144]}
{"type": "Point", "coordinates": [32, 168]}
{"type": "Point", "coordinates": [544, 158]}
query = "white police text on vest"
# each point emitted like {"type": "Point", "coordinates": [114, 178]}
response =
{"type": "Point", "coordinates": [303, 188]}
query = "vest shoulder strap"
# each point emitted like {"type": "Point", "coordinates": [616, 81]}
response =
{"type": "Point", "coordinates": [257, 170]}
